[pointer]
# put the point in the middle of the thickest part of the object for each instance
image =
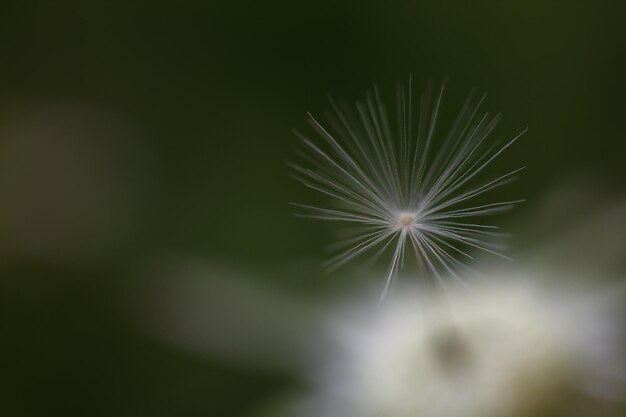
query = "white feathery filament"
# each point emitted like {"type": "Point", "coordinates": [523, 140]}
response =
{"type": "Point", "coordinates": [406, 186]}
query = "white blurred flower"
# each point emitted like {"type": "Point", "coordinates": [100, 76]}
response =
{"type": "Point", "coordinates": [500, 352]}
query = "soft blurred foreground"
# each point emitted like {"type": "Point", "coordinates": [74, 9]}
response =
{"type": "Point", "coordinates": [515, 348]}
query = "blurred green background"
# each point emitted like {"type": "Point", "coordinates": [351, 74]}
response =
{"type": "Point", "coordinates": [139, 131]}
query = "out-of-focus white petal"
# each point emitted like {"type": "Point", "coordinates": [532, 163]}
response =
{"type": "Point", "coordinates": [505, 350]}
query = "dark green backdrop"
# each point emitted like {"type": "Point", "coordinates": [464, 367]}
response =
{"type": "Point", "coordinates": [192, 103]}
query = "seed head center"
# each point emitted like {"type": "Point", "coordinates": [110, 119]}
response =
{"type": "Point", "coordinates": [406, 219]}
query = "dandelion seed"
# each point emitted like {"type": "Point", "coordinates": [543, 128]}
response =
{"type": "Point", "coordinates": [409, 190]}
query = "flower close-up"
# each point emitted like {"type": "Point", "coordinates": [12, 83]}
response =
{"type": "Point", "coordinates": [406, 183]}
{"type": "Point", "coordinates": [505, 350]}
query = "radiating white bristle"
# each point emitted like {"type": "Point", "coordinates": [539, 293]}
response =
{"type": "Point", "coordinates": [409, 188]}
